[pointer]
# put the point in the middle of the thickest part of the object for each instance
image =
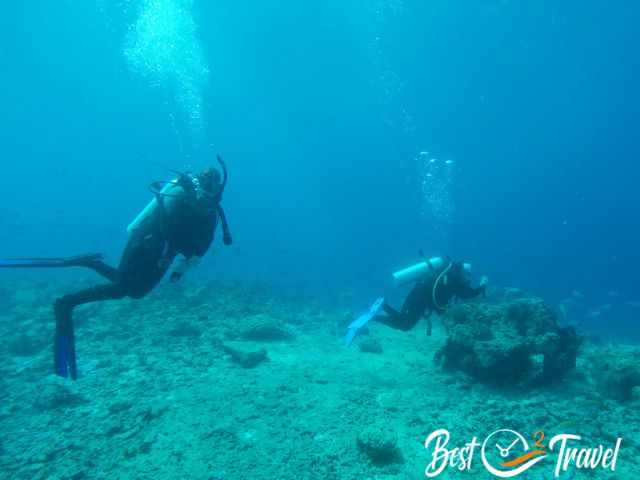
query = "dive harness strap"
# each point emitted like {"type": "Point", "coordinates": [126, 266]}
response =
{"type": "Point", "coordinates": [435, 287]}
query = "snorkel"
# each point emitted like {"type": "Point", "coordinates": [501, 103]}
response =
{"type": "Point", "coordinates": [227, 239]}
{"type": "Point", "coordinates": [225, 175]}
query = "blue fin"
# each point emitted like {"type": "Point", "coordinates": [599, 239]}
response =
{"type": "Point", "coordinates": [30, 262]}
{"type": "Point", "coordinates": [65, 351]}
{"type": "Point", "coordinates": [79, 261]}
{"type": "Point", "coordinates": [362, 320]}
{"type": "Point", "coordinates": [351, 334]}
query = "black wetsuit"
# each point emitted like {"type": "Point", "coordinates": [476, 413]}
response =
{"type": "Point", "coordinates": [188, 229]}
{"type": "Point", "coordinates": [454, 283]}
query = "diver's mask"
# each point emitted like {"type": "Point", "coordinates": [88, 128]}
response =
{"type": "Point", "coordinates": [209, 184]}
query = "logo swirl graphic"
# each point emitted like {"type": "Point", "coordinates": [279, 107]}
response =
{"type": "Point", "coordinates": [511, 450]}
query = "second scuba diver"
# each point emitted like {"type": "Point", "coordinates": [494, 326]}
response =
{"type": "Point", "coordinates": [445, 281]}
{"type": "Point", "coordinates": [181, 220]}
{"type": "Point", "coordinates": [437, 282]}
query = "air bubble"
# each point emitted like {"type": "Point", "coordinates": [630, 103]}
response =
{"type": "Point", "coordinates": [163, 48]}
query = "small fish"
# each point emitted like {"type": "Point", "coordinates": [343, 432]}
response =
{"type": "Point", "coordinates": [633, 303]}
{"type": "Point", "coordinates": [567, 424]}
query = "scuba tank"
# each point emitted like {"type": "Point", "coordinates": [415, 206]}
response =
{"type": "Point", "coordinates": [417, 271]}
{"type": "Point", "coordinates": [153, 204]}
{"type": "Point", "coordinates": [422, 269]}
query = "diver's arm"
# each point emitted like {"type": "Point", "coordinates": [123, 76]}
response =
{"type": "Point", "coordinates": [184, 264]}
{"type": "Point", "coordinates": [465, 291]}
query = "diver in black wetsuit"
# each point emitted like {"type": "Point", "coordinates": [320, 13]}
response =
{"type": "Point", "coordinates": [182, 222]}
{"type": "Point", "coordinates": [432, 294]}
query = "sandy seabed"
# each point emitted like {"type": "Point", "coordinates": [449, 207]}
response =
{"type": "Point", "coordinates": [226, 382]}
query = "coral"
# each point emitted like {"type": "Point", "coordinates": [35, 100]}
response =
{"type": "Point", "coordinates": [157, 388]}
{"type": "Point", "coordinates": [263, 328]}
{"type": "Point", "coordinates": [370, 345]}
{"type": "Point", "coordinates": [512, 342]}
{"type": "Point", "coordinates": [380, 444]}
{"type": "Point", "coordinates": [246, 359]}
{"type": "Point", "coordinates": [617, 373]}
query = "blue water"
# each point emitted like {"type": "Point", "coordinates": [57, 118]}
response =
{"type": "Point", "coordinates": [321, 110]}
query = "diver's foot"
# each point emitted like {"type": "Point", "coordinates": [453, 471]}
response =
{"type": "Point", "coordinates": [85, 260]}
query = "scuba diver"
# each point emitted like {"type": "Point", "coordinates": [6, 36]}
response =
{"type": "Point", "coordinates": [437, 282]}
{"type": "Point", "coordinates": [445, 280]}
{"type": "Point", "coordinates": [180, 220]}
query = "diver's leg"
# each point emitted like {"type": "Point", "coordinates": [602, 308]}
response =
{"type": "Point", "coordinates": [389, 310]}
{"type": "Point", "coordinates": [95, 263]}
{"type": "Point", "coordinates": [101, 268]}
{"type": "Point", "coordinates": [144, 262]}
{"type": "Point", "coordinates": [396, 320]}
{"type": "Point", "coordinates": [64, 342]}
{"type": "Point", "coordinates": [140, 270]}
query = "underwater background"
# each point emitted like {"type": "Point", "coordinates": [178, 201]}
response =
{"type": "Point", "coordinates": [356, 133]}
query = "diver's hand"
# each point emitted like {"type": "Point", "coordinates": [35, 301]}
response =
{"type": "Point", "coordinates": [175, 277]}
{"type": "Point", "coordinates": [483, 285]}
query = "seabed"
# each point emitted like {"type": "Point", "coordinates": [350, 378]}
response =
{"type": "Point", "coordinates": [227, 382]}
